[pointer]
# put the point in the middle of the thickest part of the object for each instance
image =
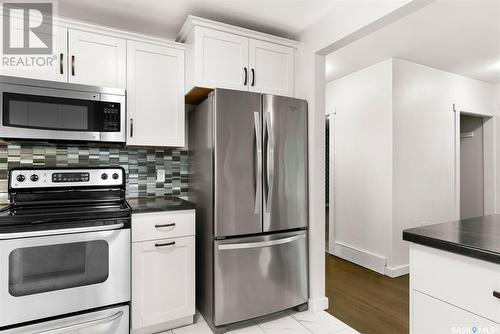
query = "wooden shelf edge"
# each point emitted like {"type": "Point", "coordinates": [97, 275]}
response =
{"type": "Point", "coordinates": [197, 95]}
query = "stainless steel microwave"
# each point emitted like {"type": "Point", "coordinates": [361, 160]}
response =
{"type": "Point", "coordinates": [49, 110]}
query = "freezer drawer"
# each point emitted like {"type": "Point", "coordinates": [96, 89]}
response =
{"type": "Point", "coordinates": [255, 276]}
{"type": "Point", "coordinates": [113, 320]}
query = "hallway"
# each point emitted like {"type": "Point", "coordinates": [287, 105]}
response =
{"type": "Point", "coordinates": [365, 300]}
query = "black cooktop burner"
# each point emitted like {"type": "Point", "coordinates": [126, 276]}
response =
{"type": "Point", "coordinates": [52, 205]}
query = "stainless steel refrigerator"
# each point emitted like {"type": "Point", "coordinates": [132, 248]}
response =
{"type": "Point", "coordinates": [248, 178]}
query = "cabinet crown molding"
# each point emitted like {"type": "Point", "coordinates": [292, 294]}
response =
{"type": "Point", "coordinates": [195, 21]}
{"type": "Point", "coordinates": [115, 32]}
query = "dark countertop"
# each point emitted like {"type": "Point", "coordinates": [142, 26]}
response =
{"type": "Point", "coordinates": [475, 237]}
{"type": "Point", "coordinates": [153, 204]}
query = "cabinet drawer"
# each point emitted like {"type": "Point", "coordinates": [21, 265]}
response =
{"type": "Point", "coordinates": [459, 280]}
{"type": "Point", "coordinates": [431, 315]}
{"type": "Point", "coordinates": [161, 225]}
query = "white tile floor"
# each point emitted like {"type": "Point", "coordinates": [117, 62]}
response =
{"type": "Point", "coordinates": [289, 322]}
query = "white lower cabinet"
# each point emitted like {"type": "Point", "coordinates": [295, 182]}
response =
{"type": "Point", "coordinates": [431, 315]}
{"type": "Point", "coordinates": [452, 293]}
{"type": "Point", "coordinates": [163, 278]}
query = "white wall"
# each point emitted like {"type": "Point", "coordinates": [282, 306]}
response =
{"type": "Point", "coordinates": [409, 130]}
{"type": "Point", "coordinates": [349, 20]}
{"type": "Point", "coordinates": [425, 175]}
{"type": "Point", "coordinates": [362, 168]}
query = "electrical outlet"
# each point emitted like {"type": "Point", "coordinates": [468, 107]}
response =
{"type": "Point", "coordinates": [160, 175]}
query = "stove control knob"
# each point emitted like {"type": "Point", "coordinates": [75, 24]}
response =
{"type": "Point", "coordinates": [115, 176]}
{"type": "Point", "coordinates": [34, 177]}
{"type": "Point", "coordinates": [20, 178]}
{"type": "Point", "coordinates": [104, 176]}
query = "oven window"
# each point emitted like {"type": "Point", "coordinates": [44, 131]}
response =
{"type": "Point", "coordinates": [55, 267]}
{"type": "Point", "coordinates": [48, 113]}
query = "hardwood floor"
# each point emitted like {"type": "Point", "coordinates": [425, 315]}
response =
{"type": "Point", "coordinates": [365, 300]}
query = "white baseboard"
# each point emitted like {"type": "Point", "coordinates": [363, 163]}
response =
{"type": "Point", "coordinates": [363, 258]}
{"type": "Point", "coordinates": [318, 304]}
{"type": "Point", "coordinates": [397, 271]}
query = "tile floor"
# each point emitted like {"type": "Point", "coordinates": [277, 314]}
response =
{"type": "Point", "coordinates": [289, 322]}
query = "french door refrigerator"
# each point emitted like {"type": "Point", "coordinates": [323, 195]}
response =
{"type": "Point", "coordinates": [248, 177]}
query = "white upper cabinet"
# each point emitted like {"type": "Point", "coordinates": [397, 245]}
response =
{"type": "Point", "coordinates": [96, 59]}
{"type": "Point", "coordinates": [54, 69]}
{"type": "Point", "coordinates": [224, 61]}
{"type": "Point", "coordinates": [155, 95]}
{"type": "Point", "coordinates": [224, 56]}
{"type": "Point", "coordinates": [271, 68]}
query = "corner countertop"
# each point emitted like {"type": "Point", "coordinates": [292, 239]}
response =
{"type": "Point", "coordinates": [155, 204]}
{"type": "Point", "coordinates": [477, 237]}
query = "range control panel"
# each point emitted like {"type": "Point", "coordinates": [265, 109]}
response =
{"type": "Point", "coordinates": [47, 178]}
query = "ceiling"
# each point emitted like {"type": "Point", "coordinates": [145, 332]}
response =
{"type": "Point", "coordinates": [459, 36]}
{"type": "Point", "coordinates": [285, 18]}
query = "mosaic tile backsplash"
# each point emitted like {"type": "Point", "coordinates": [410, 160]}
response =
{"type": "Point", "coordinates": [140, 164]}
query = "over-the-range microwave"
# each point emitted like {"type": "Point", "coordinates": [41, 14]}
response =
{"type": "Point", "coordinates": [49, 110]}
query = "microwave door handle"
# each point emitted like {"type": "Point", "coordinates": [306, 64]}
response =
{"type": "Point", "coordinates": [85, 324]}
{"type": "Point", "coordinates": [5, 236]}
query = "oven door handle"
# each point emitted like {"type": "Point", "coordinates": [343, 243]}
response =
{"type": "Point", "coordinates": [85, 324]}
{"type": "Point", "coordinates": [5, 236]}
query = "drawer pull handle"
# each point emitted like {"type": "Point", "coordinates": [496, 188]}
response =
{"type": "Point", "coordinates": [496, 294]}
{"type": "Point", "coordinates": [165, 244]}
{"type": "Point", "coordinates": [165, 225]}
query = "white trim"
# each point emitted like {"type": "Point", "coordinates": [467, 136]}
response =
{"type": "Point", "coordinates": [105, 30]}
{"type": "Point", "coordinates": [195, 21]}
{"type": "Point", "coordinates": [397, 271]}
{"type": "Point", "coordinates": [318, 304]}
{"type": "Point", "coordinates": [360, 257]}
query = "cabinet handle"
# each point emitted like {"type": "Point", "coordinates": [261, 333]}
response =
{"type": "Point", "coordinates": [246, 76]}
{"type": "Point", "coordinates": [131, 127]}
{"type": "Point", "coordinates": [165, 225]}
{"type": "Point", "coordinates": [253, 77]}
{"type": "Point", "coordinates": [61, 64]}
{"type": "Point", "coordinates": [496, 294]}
{"type": "Point", "coordinates": [73, 65]}
{"type": "Point", "coordinates": [165, 244]}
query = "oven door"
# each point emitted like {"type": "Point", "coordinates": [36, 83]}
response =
{"type": "Point", "coordinates": [53, 275]}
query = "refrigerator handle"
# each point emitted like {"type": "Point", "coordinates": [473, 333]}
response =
{"type": "Point", "coordinates": [258, 161]}
{"type": "Point", "coordinates": [269, 161]}
{"type": "Point", "coordinates": [261, 244]}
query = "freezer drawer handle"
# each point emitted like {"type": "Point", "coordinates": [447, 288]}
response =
{"type": "Point", "coordinates": [5, 236]}
{"type": "Point", "coordinates": [85, 324]}
{"type": "Point", "coordinates": [165, 225]}
{"type": "Point", "coordinates": [262, 244]}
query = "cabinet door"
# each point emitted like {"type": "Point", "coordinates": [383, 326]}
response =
{"type": "Point", "coordinates": [97, 60]}
{"type": "Point", "coordinates": [220, 60]}
{"type": "Point", "coordinates": [432, 315]}
{"type": "Point", "coordinates": [271, 68]}
{"type": "Point", "coordinates": [155, 95]}
{"type": "Point", "coordinates": [162, 281]}
{"type": "Point", "coordinates": [54, 66]}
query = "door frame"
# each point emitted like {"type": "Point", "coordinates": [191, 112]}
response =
{"type": "Point", "coordinates": [489, 193]}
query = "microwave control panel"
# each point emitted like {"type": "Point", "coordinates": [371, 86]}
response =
{"type": "Point", "coordinates": [110, 116]}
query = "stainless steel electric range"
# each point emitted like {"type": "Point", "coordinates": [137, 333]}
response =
{"type": "Point", "coordinates": [65, 252]}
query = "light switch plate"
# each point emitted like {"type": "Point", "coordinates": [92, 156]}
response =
{"type": "Point", "coordinates": [160, 175]}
